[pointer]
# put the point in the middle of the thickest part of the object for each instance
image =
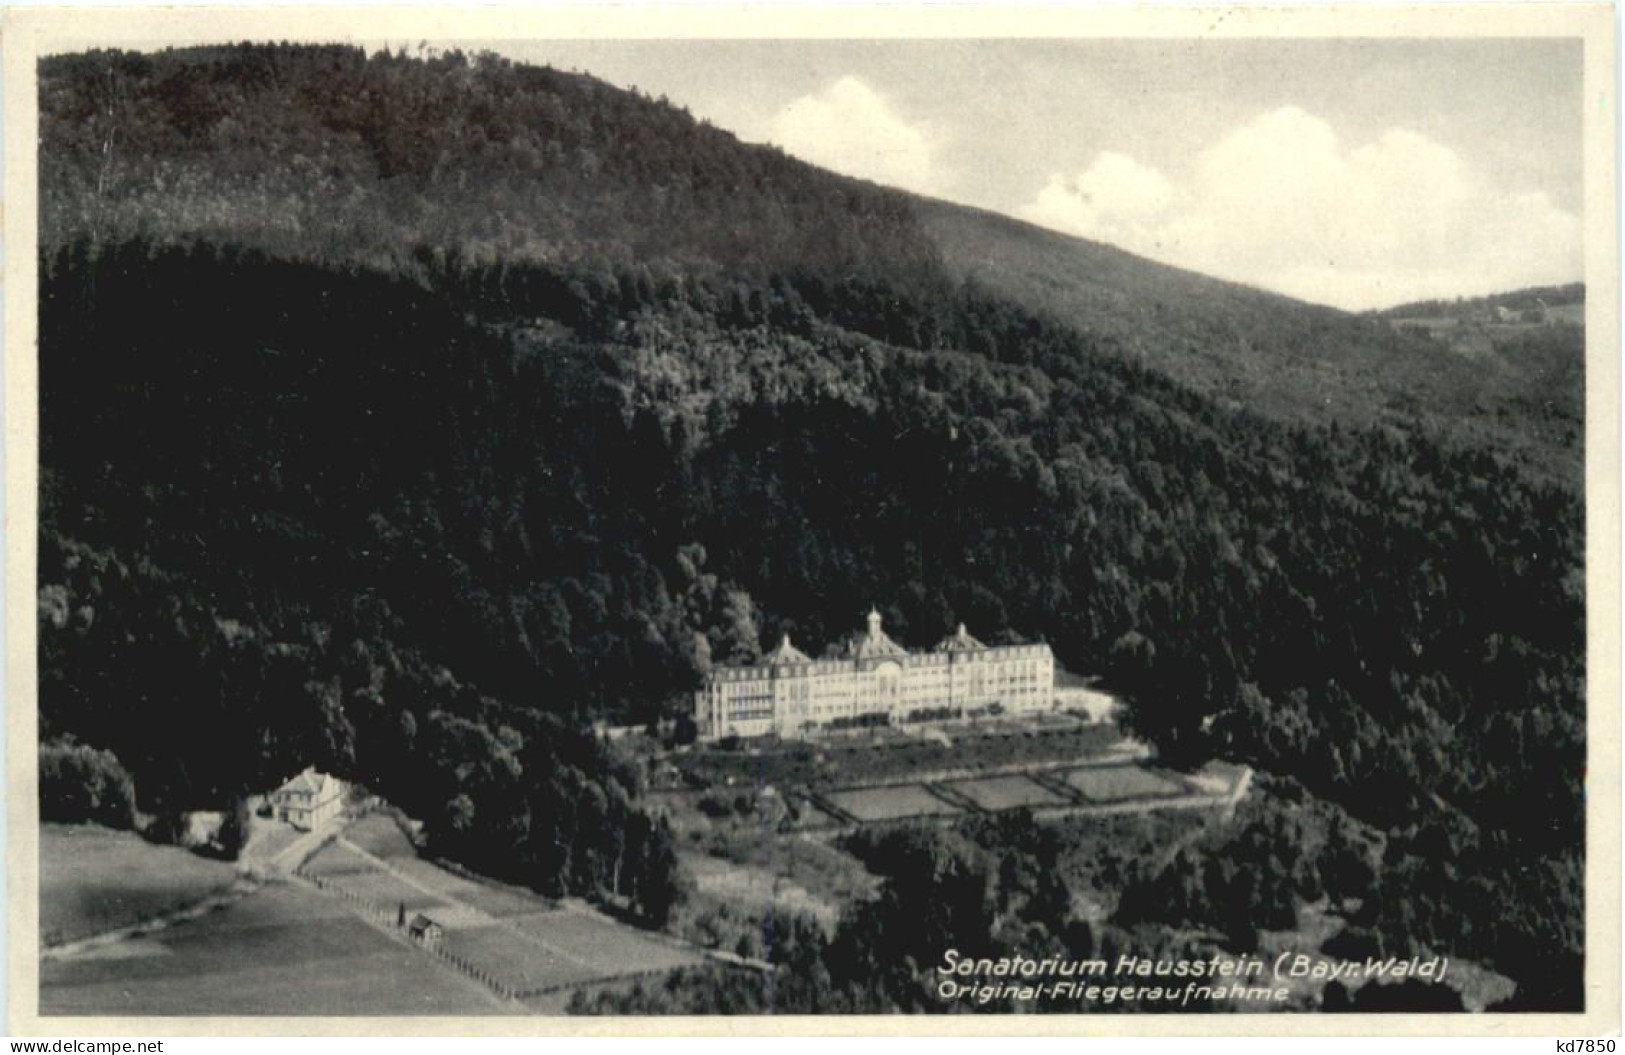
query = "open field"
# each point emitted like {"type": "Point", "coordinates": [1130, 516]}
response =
{"type": "Point", "coordinates": [520, 942]}
{"type": "Point", "coordinates": [1006, 793]}
{"type": "Point", "coordinates": [893, 802]}
{"type": "Point", "coordinates": [292, 949]}
{"type": "Point", "coordinates": [1118, 783]}
{"type": "Point", "coordinates": [286, 950]}
{"type": "Point", "coordinates": [94, 880]}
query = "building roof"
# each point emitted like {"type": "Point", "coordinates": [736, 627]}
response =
{"type": "Point", "coordinates": [310, 782]}
{"type": "Point", "coordinates": [960, 641]}
{"type": "Point", "coordinates": [873, 643]}
{"type": "Point", "coordinates": [785, 653]}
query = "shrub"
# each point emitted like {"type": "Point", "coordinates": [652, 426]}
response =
{"type": "Point", "coordinates": [80, 783]}
{"type": "Point", "coordinates": [234, 829]}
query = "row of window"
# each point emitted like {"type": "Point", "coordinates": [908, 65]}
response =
{"type": "Point", "coordinates": [801, 687]}
{"type": "Point", "coordinates": [838, 668]}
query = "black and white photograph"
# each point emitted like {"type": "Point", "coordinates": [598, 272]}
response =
{"type": "Point", "coordinates": [620, 526]}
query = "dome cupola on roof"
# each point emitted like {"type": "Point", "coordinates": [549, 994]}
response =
{"type": "Point", "coordinates": [874, 643]}
{"type": "Point", "coordinates": [873, 681]}
{"type": "Point", "coordinates": [785, 653]}
{"type": "Point", "coordinates": [960, 641]}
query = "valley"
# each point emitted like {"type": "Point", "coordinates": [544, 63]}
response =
{"type": "Point", "coordinates": [427, 420]}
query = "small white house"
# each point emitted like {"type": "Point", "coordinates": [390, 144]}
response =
{"type": "Point", "coordinates": [309, 801]}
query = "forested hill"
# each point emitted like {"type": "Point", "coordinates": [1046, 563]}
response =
{"type": "Point", "coordinates": [1284, 358]}
{"type": "Point", "coordinates": [405, 416]}
{"type": "Point", "coordinates": [1518, 300]}
{"type": "Point", "coordinates": [327, 154]}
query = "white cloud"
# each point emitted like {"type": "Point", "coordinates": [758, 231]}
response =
{"type": "Point", "coordinates": [1282, 204]}
{"type": "Point", "coordinates": [1116, 199]}
{"type": "Point", "coordinates": [851, 128]}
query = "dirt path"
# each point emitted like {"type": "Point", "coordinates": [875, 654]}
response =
{"type": "Point", "coordinates": [293, 855]}
{"type": "Point", "coordinates": [240, 889]}
{"type": "Point", "coordinates": [252, 871]}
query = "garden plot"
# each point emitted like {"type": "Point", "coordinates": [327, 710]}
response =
{"type": "Point", "coordinates": [504, 902]}
{"type": "Point", "coordinates": [1120, 783]}
{"type": "Point", "coordinates": [515, 961]}
{"type": "Point", "coordinates": [894, 802]}
{"type": "Point", "coordinates": [431, 876]}
{"type": "Point", "coordinates": [609, 949]}
{"type": "Point", "coordinates": [387, 891]}
{"type": "Point", "coordinates": [1006, 793]}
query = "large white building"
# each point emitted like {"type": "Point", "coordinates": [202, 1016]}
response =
{"type": "Point", "coordinates": [874, 679]}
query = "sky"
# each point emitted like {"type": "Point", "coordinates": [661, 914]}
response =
{"type": "Point", "coordinates": [1357, 173]}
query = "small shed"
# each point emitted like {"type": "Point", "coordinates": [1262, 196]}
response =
{"type": "Point", "coordinates": [424, 930]}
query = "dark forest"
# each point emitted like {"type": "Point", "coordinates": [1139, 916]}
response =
{"type": "Point", "coordinates": [409, 417]}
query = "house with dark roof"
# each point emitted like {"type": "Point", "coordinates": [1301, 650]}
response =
{"type": "Point", "coordinates": [424, 930]}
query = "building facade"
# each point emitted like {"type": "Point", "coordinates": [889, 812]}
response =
{"type": "Point", "coordinates": [308, 801]}
{"type": "Point", "coordinates": [873, 681]}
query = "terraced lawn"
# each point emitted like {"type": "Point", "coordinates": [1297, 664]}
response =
{"type": "Point", "coordinates": [1119, 783]}
{"type": "Point", "coordinates": [890, 803]}
{"type": "Point", "coordinates": [1006, 793]}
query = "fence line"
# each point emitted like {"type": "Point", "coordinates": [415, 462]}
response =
{"type": "Point", "coordinates": [391, 918]}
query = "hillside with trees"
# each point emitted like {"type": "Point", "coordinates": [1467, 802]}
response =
{"type": "Point", "coordinates": [408, 416]}
{"type": "Point", "coordinates": [1291, 361]}
{"type": "Point", "coordinates": [1571, 295]}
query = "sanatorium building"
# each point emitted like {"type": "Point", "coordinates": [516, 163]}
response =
{"type": "Point", "coordinates": [873, 681]}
